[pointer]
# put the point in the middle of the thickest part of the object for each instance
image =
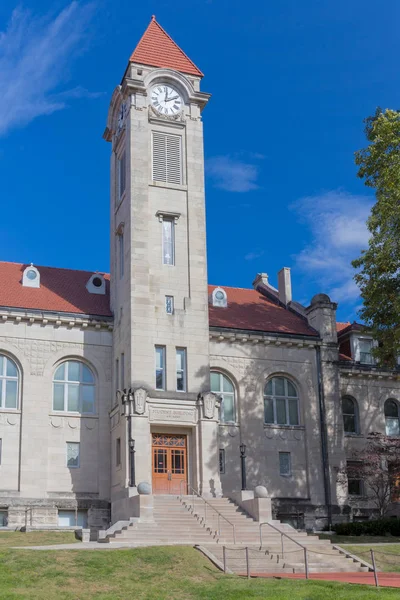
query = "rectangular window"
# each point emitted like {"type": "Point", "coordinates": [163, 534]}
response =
{"type": "Point", "coordinates": [181, 369]}
{"type": "Point", "coordinates": [285, 464]}
{"type": "Point", "coordinates": [354, 483]}
{"type": "Point", "coordinates": [116, 374]}
{"type": "Point", "coordinates": [222, 461]}
{"type": "Point", "coordinates": [73, 455]}
{"type": "Point", "coordinates": [122, 370]}
{"type": "Point", "coordinates": [160, 367]}
{"type": "Point", "coordinates": [168, 242]}
{"type": "Point", "coordinates": [118, 452]}
{"type": "Point", "coordinates": [3, 518]}
{"type": "Point", "coordinates": [72, 518]}
{"type": "Point", "coordinates": [169, 305]}
{"type": "Point", "coordinates": [121, 265]}
{"type": "Point", "coordinates": [365, 351]}
{"type": "Point", "coordinates": [121, 175]}
{"type": "Point", "coordinates": [167, 157]}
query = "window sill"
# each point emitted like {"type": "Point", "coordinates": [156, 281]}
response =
{"type": "Point", "coordinates": [72, 414]}
{"type": "Point", "coordinates": [170, 186]}
{"type": "Point", "coordinates": [12, 411]}
{"type": "Point", "coordinates": [276, 426]}
{"type": "Point", "coordinates": [229, 423]}
{"type": "Point", "coordinates": [353, 435]}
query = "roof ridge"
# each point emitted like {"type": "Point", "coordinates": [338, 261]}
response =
{"type": "Point", "coordinates": [21, 264]}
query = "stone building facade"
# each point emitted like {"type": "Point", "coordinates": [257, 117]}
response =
{"type": "Point", "coordinates": [149, 376]}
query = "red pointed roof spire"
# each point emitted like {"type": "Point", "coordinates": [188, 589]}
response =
{"type": "Point", "coordinates": [157, 49]}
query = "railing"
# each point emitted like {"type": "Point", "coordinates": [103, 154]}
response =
{"type": "Point", "coordinates": [207, 507]}
{"type": "Point", "coordinates": [283, 534]}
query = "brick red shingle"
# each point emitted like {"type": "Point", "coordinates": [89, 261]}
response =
{"type": "Point", "coordinates": [157, 49]}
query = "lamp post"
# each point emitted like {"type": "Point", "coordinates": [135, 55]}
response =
{"type": "Point", "coordinates": [243, 464]}
{"type": "Point", "coordinates": [132, 482]}
{"type": "Point", "coordinates": [127, 399]}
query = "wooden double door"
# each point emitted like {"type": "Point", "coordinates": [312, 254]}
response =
{"type": "Point", "coordinates": [169, 463]}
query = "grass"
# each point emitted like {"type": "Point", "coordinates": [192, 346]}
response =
{"type": "Point", "coordinates": [387, 557]}
{"type": "Point", "coordinates": [360, 539]}
{"type": "Point", "coordinates": [158, 573]}
{"type": "Point", "coordinates": [36, 538]}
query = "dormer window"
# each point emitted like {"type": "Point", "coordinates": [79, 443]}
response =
{"type": "Point", "coordinates": [31, 277]}
{"type": "Point", "coordinates": [365, 347]}
{"type": "Point", "coordinates": [96, 284]}
{"type": "Point", "coordinates": [219, 298]}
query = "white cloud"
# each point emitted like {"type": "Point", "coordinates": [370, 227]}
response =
{"type": "Point", "coordinates": [254, 255]}
{"type": "Point", "coordinates": [337, 221]}
{"type": "Point", "coordinates": [35, 53]}
{"type": "Point", "coordinates": [231, 174]}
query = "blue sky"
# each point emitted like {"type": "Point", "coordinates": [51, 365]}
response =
{"type": "Point", "coordinates": [291, 83]}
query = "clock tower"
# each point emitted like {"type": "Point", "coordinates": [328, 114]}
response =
{"type": "Point", "coordinates": [164, 421]}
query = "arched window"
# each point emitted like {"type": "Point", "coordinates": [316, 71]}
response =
{"type": "Point", "coordinates": [350, 415]}
{"type": "Point", "coordinates": [74, 388]}
{"type": "Point", "coordinates": [392, 417]}
{"type": "Point", "coordinates": [281, 402]}
{"type": "Point", "coordinates": [9, 383]}
{"type": "Point", "coordinates": [223, 387]}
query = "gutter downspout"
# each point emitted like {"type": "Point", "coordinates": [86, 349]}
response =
{"type": "Point", "coordinates": [324, 438]}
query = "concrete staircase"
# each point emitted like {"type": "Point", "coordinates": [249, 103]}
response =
{"type": "Point", "coordinates": [189, 520]}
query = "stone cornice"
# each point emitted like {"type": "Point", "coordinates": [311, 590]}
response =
{"type": "Point", "coordinates": [253, 338]}
{"type": "Point", "coordinates": [51, 319]}
{"type": "Point", "coordinates": [355, 372]}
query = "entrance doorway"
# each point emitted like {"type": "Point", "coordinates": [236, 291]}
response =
{"type": "Point", "coordinates": [169, 463]}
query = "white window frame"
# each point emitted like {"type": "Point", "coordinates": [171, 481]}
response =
{"type": "Point", "coordinates": [162, 368]}
{"type": "Point", "coordinates": [287, 455]}
{"type": "Point", "coordinates": [274, 397]}
{"type": "Point", "coordinates": [79, 455]}
{"type": "Point", "coordinates": [220, 393]}
{"type": "Point", "coordinates": [171, 222]}
{"type": "Point", "coordinates": [81, 384]}
{"type": "Point", "coordinates": [392, 419]}
{"type": "Point", "coordinates": [355, 415]}
{"type": "Point", "coordinates": [4, 379]}
{"type": "Point", "coordinates": [183, 370]}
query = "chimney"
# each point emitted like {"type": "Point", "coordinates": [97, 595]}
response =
{"type": "Point", "coordinates": [261, 279]}
{"type": "Point", "coordinates": [284, 286]}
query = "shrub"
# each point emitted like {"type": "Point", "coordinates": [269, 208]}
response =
{"type": "Point", "coordinates": [372, 527]}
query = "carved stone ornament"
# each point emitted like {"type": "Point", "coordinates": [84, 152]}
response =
{"type": "Point", "coordinates": [140, 397]}
{"type": "Point", "coordinates": [209, 402]}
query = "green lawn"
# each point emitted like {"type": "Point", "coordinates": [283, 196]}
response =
{"type": "Point", "coordinates": [36, 538]}
{"type": "Point", "coordinates": [158, 573]}
{"type": "Point", "coordinates": [387, 557]}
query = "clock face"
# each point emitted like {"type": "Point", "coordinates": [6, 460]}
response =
{"type": "Point", "coordinates": [166, 100]}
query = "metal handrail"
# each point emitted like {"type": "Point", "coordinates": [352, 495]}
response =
{"type": "Point", "coordinates": [283, 534]}
{"type": "Point", "coordinates": [220, 515]}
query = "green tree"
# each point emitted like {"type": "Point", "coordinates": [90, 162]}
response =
{"type": "Point", "coordinates": [378, 267]}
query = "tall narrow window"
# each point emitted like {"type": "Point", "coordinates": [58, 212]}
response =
{"type": "Point", "coordinates": [223, 387]}
{"type": "Point", "coordinates": [366, 351]}
{"type": "Point", "coordinates": [285, 464]}
{"type": "Point", "coordinates": [160, 367]}
{"type": "Point", "coordinates": [168, 242]}
{"type": "Point", "coordinates": [116, 374]}
{"type": "Point", "coordinates": [118, 452]}
{"type": "Point", "coordinates": [121, 265]}
{"type": "Point", "coordinates": [122, 370]}
{"type": "Point", "coordinates": [222, 461]}
{"type": "Point", "coordinates": [350, 415]}
{"type": "Point", "coordinates": [169, 305]}
{"type": "Point", "coordinates": [181, 369]}
{"type": "Point", "coordinates": [9, 380]}
{"type": "Point", "coordinates": [392, 418]}
{"type": "Point", "coordinates": [121, 175]}
{"type": "Point", "coordinates": [167, 157]}
{"type": "Point", "coordinates": [354, 483]}
{"type": "Point", "coordinates": [73, 455]}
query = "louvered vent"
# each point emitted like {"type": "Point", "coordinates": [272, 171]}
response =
{"type": "Point", "coordinates": [167, 157]}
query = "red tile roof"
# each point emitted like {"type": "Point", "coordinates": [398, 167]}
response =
{"type": "Point", "coordinates": [157, 49]}
{"type": "Point", "coordinates": [341, 326]}
{"type": "Point", "coordinates": [248, 309]}
{"type": "Point", "coordinates": [61, 290]}
{"type": "Point", "coordinates": [345, 327]}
